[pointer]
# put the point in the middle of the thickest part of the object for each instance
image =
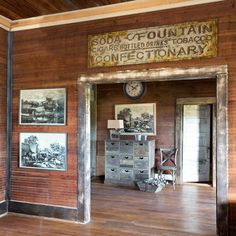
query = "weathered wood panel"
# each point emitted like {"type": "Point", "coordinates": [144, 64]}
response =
{"type": "Point", "coordinates": [3, 112]}
{"type": "Point", "coordinates": [54, 57]}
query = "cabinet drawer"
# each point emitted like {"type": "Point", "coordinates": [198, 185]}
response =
{"type": "Point", "coordinates": [126, 161]}
{"type": "Point", "coordinates": [112, 146]}
{"type": "Point", "coordinates": [112, 160]}
{"type": "Point", "coordinates": [126, 174]}
{"type": "Point", "coordinates": [141, 162]}
{"type": "Point", "coordinates": [141, 158]}
{"type": "Point", "coordinates": [141, 174]}
{"type": "Point", "coordinates": [112, 173]}
{"type": "Point", "coordinates": [126, 147]}
{"type": "Point", "coordinates": [141, 148]}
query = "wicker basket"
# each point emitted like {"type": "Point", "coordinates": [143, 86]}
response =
{"type": "Point", "coordinates": [141, 185]}
{"type": "Point", "coordinates": [149, 187]}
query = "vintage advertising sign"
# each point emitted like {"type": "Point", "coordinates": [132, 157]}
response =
{"type": "Point", "coordinates": [154, 44]}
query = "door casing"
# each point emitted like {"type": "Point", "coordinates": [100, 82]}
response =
{"type": "Point", "coordinates": [219, 73]}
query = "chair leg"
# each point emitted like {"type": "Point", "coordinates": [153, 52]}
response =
{"type": "Point", "coordinates": [173, 179]}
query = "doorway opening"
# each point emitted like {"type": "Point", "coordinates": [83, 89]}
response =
{"type": "Point", "coordinates": [196, 140]}
{"type": "Point", "coordinates": [167, 74]}
{"type": "Point", "coordinates": [197, 144]}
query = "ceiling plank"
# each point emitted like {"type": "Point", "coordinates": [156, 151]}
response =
{"type": "Point", "coordinates": [95, 13]}
{"type": "Point", "coordinates": [19, 9]}
{"type": "Point", "coordinates": [53, 6]}
{"type": "Point", "coordinates": [121, 9]}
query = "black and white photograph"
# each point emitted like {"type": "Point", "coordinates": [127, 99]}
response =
{"type": "Point", "coordinates": [43, 107]}
{"type": "Point", "coordinates": [138, 118]}
{"type": "Point", "coordinates": [43, 151]}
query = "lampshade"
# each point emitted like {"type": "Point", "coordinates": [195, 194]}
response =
{"type": "Point", "coordinates": [115, 124]}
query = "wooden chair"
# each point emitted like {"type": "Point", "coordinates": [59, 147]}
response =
{"type": "Point", "coordinates": [168, 163]}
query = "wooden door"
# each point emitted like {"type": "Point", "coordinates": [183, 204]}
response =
{"type": "Point", "coordinates": [196, 143]}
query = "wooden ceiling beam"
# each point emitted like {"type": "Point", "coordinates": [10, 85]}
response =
{"type": "Point", "coordinates": [5, 23]}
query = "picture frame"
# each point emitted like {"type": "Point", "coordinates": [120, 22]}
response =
{"type": "Point", "coordinates": [139, 118]}
{"type": "Point", "coordinates": [42, 106]}
{"type": "Point", "coordinates": [46, 151]}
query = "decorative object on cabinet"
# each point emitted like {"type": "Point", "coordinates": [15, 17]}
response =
{"type": "Point", "coordinates": [168, 163]}
{"type": "Point", "coordinates": [43, 107]}
{"type": "Point", "coordinates": [115, 127]}
{"type": "Point", "coordinates": [128, 161]}
{"type": "Point", "coordinates": [138, 118]}
{"type": "Point", "coordinates": [140, 137]}
{"type": "Point", "coordinates": [134, 89]}
{"type": "Point", "coordinates": [43, 151]}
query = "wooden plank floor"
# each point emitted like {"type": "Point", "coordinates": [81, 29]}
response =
{"type": "Point", "coordinates": [189, 210]}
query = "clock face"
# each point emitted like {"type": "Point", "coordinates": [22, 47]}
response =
{"type": "Point", "coordinates": [134, 89]}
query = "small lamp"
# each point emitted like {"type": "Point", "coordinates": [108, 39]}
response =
{"type": "Point", "coordinates": [115, 126]}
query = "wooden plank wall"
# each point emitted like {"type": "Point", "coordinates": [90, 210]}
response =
{"type": "Point", "coordinates": [3, 111]}
{"type": "Point", "coordinates": [164, 94]}
{"type": "Point", "coordinates": [46, 59]}
{"type": "Point", "coordinates": [55, 56]}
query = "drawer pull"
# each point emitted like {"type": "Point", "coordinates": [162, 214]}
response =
{"type": "Point", "coordinates": [112, 156]}
{"type": "Point", "coordinates": [126, 171]}
{"type": "Point", "coordinates": [141, 158]}
{"type": "Point", "coordinates": [126, 144]}
{"type": "Point", "coordinates": [126, 157]}
{"type": "Point", "coordinates": [112, 169]}
{"type": "Point", "coordinates": [141, 144]}
{"type": "Point", "coordinates": [141, 171]}
{"type": "Point", "coordinates": [112, 143]}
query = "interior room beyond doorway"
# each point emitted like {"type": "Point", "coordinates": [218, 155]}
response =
{"type": "Point", "coordinates": [163, 94]}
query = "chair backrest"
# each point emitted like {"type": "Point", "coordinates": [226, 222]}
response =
{"type": "Point", "coordinates": [168, 156]}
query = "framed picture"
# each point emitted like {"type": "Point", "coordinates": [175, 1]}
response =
{"type": "Point", "coordinates": [43, 151]}
{"type": "Point", "coordinates": [43, 107]}
{"type": "Point", "coordinates": [138, 118]}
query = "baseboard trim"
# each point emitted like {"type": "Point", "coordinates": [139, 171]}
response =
{"type": "Point", "coordinates": [44, 210]}
{"type": "Point", "coordinates": [3, 208]}
{"type": "Point", "coordinates": [232, 230]}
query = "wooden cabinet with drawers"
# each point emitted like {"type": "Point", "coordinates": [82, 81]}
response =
{"type": "Point", "coordinates": [129, 161]}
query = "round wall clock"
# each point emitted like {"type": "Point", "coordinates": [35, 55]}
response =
{"type": "Point", "coordinates": [134, 89]}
